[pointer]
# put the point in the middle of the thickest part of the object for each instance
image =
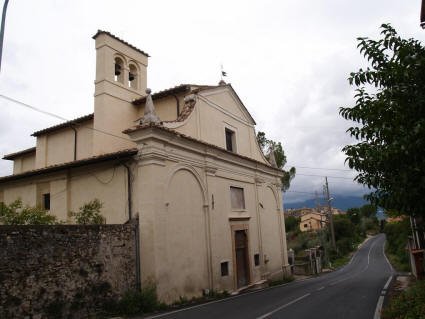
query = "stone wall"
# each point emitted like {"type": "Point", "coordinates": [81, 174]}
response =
{"type": "Point", "coordinates": [64, 271]}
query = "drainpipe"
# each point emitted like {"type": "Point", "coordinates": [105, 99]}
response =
{"type": "Point", "coordinates": [128, 191]}
{"type": "Point", "coordinates": [177, 104]}
{"type": "Point", "coordinates": [136, 230]}
{"type": "Point", "coordinates": [75, 142]}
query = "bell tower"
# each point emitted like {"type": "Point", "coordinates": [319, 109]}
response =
{"type": "Point", "coordinates": [121, 77]}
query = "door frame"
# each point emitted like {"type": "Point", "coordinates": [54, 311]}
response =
{"type": "Point", "coordinates": [235, 228]}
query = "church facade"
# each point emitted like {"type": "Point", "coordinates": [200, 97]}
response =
{"type": "Point", "coordinates": [185, 161]}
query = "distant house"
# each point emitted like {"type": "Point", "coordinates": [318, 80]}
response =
{"type": "Point", "coordinates": [313, 221]}
{"type": "Point", "coordinates": [185, 160]}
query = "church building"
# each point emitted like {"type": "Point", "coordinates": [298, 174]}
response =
{"type": "Point", "coordinates": [184, 160]}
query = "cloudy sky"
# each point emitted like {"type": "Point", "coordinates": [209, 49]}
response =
{"type": "Point", "coordinates": [288, 60]}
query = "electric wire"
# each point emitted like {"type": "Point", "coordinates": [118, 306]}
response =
{"type": "Point", "coordinates": [127, 139]}
{"type": "Point", "coordinates": [60, 117]}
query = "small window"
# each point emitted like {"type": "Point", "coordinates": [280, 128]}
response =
{"type": "Point", "coordinates": [46, 201]}
{"type": "Point", "coordinates": [237, 198]}
{"type": "Point", "coordinates": [224, 268]}
{"type": "Point", "coordinates": [230, 140]}
{"type": "Point", "coordinates": [305, 225]}
{"type": "Point", "coordinates": [257, 259]}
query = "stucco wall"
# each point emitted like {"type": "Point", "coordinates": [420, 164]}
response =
{"type": "Point", "coordinates": [183, 191]}
{"type": "Point", "coordinates": [112, 115]}
{"type": "Point", "coordinates": [165, 108]}
{"type": "Point", "coordinates": [69, 190]}
{"type": "Point", "coordinates": [215, 110]}
{"type": "Point", "coordinates": [64, 271]}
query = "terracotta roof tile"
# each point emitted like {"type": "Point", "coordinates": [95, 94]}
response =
{"type": "Point", "coordinates": [77, 163]}
{"type": "Point", "coordinates": [63, 125]}
{"type": "Point", "coordinates": [164, 93]}
{"type": "Point", "coordinates": [12, 156]}
{"type": "Point", "coordinates": [99, 32]}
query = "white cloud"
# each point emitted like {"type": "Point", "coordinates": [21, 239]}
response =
{"type": "Point", "coordinates": [288, 60]}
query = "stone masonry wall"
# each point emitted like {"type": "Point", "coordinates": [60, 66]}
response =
{"type": "Point", "coordinates": [64, 271]}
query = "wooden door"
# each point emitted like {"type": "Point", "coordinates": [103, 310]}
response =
{"type": "Point", "coordinates": [241, 252]}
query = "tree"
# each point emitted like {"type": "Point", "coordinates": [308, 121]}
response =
{"type": "Point", "coordinates": [279, 153]}
{"type": "Point", "coordinates": [354, 215]}
{"type": "Point", "coordinates": [89, 213]}
{"type": "Point", "coordinates": [368, 210]}
{"type": "Point", "coordinates": [389, 112]}
{"type": "Point", "coordinates": [17, 214]}
{"type": "Point", "coordinates": [292, 223]}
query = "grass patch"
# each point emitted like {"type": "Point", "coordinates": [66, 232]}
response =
{"type": "Point", "coordinates": [398, 262]}
{"type": "Point", "coordinates": [284, 280]}
{"type": "Point", "coordinates": [409, 304]}
{"type": "Point", "coordinates": [213, 295]}
{"type": "Point", "coordinates": [136, 302]}
{"type": "Point", "coordinates": [340, 261]}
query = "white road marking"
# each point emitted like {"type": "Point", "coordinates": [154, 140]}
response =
{"type": "Point", "coordinates": [381, 301]}
{"type": "Point", "coordinates": [284, 306]}
{"type": "Point", "coordinates": [388, 283]}
{"type": "Point", "coordinates": [383, 251]}
{"type": "Point", "coordinates": [321, 288]}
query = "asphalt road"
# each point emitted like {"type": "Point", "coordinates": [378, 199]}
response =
{"type": "Point", "coordinates": [350, 292]}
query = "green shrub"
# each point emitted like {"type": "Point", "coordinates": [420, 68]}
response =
{"type": "Point", "coordinates": [409, 304]}
{"type": "Point", "coordinates": [397, 235]}
{"type": "Point", "coordinates": [17, 214]}
{"type": "Point", "coordinates": [89, 213]}
{"type": "Point", "coordinates": [135, 302]}
{"type": "Point", "coordinates": [284, 280]}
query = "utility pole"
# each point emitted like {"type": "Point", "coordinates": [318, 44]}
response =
{"type": "Point", "coordinates": [3, 22]}
{"type": "Point", "coordinates": [331, 220]}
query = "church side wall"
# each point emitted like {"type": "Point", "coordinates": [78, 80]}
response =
{"type": "Point", "coordinates": [69, 190]}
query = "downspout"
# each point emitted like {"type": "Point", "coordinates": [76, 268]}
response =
{"type": "Point", "coordinates": [177, 104]}
{"type": "Point", "coordinates": [75, 142]}
{"type": "Point", "coordinates": [129, 191]}
{"type": "Point", "coordinates": [136, 229]}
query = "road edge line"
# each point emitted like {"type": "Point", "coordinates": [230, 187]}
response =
{"type": "Point", "coordinates": [380, 302]}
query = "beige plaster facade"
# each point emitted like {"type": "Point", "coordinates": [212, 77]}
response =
{"type": "Point", "coordinates": [313, 221]}
{"type": "Point", "coordinates": [180, 177]}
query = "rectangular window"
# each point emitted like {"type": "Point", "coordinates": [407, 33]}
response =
{"type": "Point", "coordinates": [224, 268]}
{"type": "Point", "coordinates": [46, 201]}
{"type": "Point", "coordinates": [257, 259]}
{"type": "Point", "coordinates": [229, 140]}
{"type": "Point", "coordinates": [237, 198]}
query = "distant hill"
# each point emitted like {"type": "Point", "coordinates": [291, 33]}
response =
{"type": "Point", "coordinates": [340, 202]}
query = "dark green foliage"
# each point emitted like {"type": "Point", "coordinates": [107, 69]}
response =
{"type": "Point", "coordinates": [89, 213]}
{"type": "Point", "coordinates": [397, 233]}
{"type": "Point", "coordinates": [284, 280]}
{"type": "Point", "coordinates": [409, 304]}
{"type": "Point", "coordinates": [279, 153]}
{"type": "Point", "coordinates": [135, 302]}
{"type": "Point", "coordinates": [389, 113]}
{"type": "Point", "coordinates": [17, 214]}
{"type": "Point", "coordinates": [368, 210]}
{"type": "Point", "coordinates": [292, 223]}
{"type": "Point", "coordinates": [354, 215]}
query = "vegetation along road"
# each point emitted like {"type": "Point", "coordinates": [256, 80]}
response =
{"type": "Point", "coordinates": [350, 292]}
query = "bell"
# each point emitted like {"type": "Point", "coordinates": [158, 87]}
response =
{"type": "Point", "coordinates": [117, 69]}
{"type": "Point", "coordinates": [131, 76]}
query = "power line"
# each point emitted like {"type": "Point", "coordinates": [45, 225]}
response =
{"type": "Point", "coordinates": [322, 168]}
{"type": "Point", "coordinates": [126, 139]}
{"type": "Point", "coordinates": [340, 177]}
{"type": "Point", "coordinates": [60, 117]}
